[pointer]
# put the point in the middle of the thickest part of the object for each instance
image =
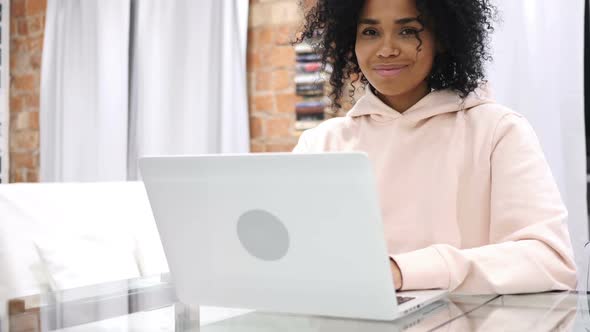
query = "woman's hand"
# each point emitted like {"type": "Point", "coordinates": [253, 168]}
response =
{"type": "Point", "coordinates": [397, 274]}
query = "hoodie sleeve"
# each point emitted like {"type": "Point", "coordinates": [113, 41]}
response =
{"type": "Point", "coordinates": [301, 146]}
{"type": "Point", "coordinates": [530, 248]}
{"type": "Point", "coordinates": [304, 144]}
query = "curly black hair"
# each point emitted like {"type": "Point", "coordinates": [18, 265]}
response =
{"type": "Point", "coordinates": [461, 28]}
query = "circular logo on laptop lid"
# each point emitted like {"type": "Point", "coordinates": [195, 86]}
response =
{"type": "Point", "coordinates": [263, 235]}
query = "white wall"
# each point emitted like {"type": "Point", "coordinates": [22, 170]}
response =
{"type": "Point", "coordinates": [538, 67]}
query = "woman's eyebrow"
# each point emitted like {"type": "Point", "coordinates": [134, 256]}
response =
{"type": "Point", "coordinates": [406, 20]}
{"type": "Point", "coordinates": [372, 21]}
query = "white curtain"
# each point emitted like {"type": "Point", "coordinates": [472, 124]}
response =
{"type": "Point", "coordinates": [189, 79]}
{"type": "Point", "coordinates": [538, 70]}
{"type": "Point", "coordinates": [84, 100]}
{"type": "Point", "coordinates": [126, 78]}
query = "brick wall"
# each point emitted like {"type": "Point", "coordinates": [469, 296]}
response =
{"type": "Point", "coordinates": [271, 69]}
{"type": "Point", "coordinates": [272, 26]}
{"type": "Point", "coordinates": [27, 21]}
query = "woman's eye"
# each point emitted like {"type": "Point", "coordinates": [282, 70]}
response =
{"type": "Point", "coordinates": [369, 32]}
{"type": "Point", "coordinates": [409, 32]}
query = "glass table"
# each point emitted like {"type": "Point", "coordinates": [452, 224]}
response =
{"type": "Point", "coordinates": [150, 304]}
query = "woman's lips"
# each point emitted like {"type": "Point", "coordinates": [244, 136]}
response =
{"type": "Point", "coordinates": [388, 71]}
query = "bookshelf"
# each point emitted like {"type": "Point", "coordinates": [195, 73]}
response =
{"type": "Point", "coordinates": [311, 77]}
{"type": "Point", "coordinates": [4, 88]}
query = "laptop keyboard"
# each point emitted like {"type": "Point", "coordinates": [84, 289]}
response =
{"type": "Point", "coordinates": [402, 300]}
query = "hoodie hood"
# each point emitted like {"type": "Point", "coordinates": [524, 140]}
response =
{"type": "Point", "coordinates": [435, 103]}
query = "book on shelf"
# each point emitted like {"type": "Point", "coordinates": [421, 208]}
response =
{"type": "Point", "coordinates": [308, 121]}
{"type": "Point", "coordinates": [311, 75]}
{"type": "Point", "coordinates": [308, 67]}
{"type": "Point", "coordinates": [308, 57]}
{"type": "Point", "coordinates": [308, 90]}
{"type": "Point", "coordinates": [304, 48]}
{"type": "Point", "coordinates": [311, 117]}
{"type": "Point", "coordinates": [311, 78]}
{"type": "Point", "coordinates": [309, 107]}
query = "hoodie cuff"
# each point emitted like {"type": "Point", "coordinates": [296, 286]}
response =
{"type": "Point", "coordinates": [423, 269]}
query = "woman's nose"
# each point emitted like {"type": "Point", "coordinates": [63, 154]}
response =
{"type": "Point", "coordinates": [388, 49]}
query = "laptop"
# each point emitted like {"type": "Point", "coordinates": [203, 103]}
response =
{"type": "Point", "coordinates": [280, 232]}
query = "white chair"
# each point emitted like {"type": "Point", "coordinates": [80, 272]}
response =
{"type": "Point", "coordinates": [64, 235]}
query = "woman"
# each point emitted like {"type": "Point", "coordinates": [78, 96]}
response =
{"type": "Point", "coordinates": [468, 200]}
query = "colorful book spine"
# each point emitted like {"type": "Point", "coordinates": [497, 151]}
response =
{"type": "Point", "coordinates": [311, 76]}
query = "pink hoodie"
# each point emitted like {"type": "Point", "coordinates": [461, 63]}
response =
{"type": "Point", "coordinates": [469, 203]}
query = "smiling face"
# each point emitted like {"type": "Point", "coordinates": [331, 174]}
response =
{"type": "Point", "coordinates": [395, 51]}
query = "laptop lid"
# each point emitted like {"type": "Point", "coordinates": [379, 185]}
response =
{"type": "Point", "coordinates": [297, 233]}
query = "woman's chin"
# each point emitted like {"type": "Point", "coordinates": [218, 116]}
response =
{"type": "Point", "coordinates": [388, 90]}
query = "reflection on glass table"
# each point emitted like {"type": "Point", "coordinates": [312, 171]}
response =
{"type": "Point", "coordinates": [532, 312]}
{"type": "Point", "coordinates": [150, 304]}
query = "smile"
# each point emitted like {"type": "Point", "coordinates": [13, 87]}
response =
{"type": "Point", "coordinates": [389, 71]}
